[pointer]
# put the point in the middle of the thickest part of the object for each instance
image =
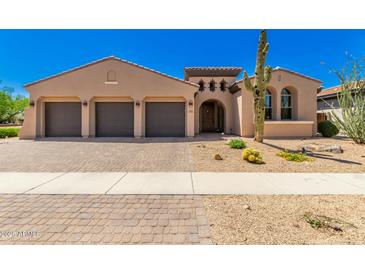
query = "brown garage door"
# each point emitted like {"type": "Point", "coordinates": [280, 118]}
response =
{"type": "Point", "coordinates": [165, 119]}
{"type": "Point", "coordinates": [114, 119]}
{"type": "Point", "coordinates": [63, 119]}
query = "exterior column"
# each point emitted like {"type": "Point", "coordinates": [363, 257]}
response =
{"type": "Point", "coordinates": [277, 115]}
{"type": "Point", "coordinates": [29, 128]}
{"type": "Point", "coordinates": [40, 119]}
{"type": "Point", "coordinates": [138, 118]}
{"type": "Point", "coordinates": [85, 118]}
{"type": "Point", "coordinates": [189, 110]}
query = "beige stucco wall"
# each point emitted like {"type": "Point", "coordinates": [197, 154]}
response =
{"type": "Point", "coordinates": [89, 84]}
{"type": "Point", "coordinates": [237, 113]}
{"type": "Point", "coordinates": [304, 93]}
{"type": "Point", "coordinates": [288, 128]}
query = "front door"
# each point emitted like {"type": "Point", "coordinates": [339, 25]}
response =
{"type": "Point", "coordinates": [208, 117]}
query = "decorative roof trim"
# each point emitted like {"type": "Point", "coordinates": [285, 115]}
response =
{"type": "Point", "coordinates": [105, 59]}
{"type": "Point", "coordinates": [213, 68]}
{"type": "Point", "coordinates": [210, 71]}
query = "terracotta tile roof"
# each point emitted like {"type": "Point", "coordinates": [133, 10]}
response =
{"type": "Point", "coordinates": [289, 71]}
{"type": "Point", "coordinates": [109, 58]}
{"type": "Point", "coordinates": [329, 91]}
{"type": "Point", "coordinates": [211, 71]}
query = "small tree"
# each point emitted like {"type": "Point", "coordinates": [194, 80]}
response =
{"type": "Point", "coordinates": [351, 100]}
{"type": "Point", "coordinates": [258, 87]}
{"type": "Point", "coordinates": [11, 106]}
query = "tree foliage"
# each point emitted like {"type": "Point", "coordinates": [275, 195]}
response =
{"type": "Point", "coordinates": [351, 100]}
{"type": "Point", "coordinates": [11, 106]}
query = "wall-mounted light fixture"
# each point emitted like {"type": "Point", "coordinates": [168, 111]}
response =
{"type": "Point", "coordinates": [191, 103]}
{"type": "Point", "coordinates": [84, 103]}
{"type": "Point", "coordinates": [138, 103]}
{"type": "Point", "coordinates": [31, 103]}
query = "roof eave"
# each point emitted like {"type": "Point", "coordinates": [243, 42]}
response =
{"type": "Point", "coordinates": [105, 59]}
{"type": "Point", "coordinates": [289, 71]}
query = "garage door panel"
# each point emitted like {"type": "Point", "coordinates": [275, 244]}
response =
{"type": "Point", "coordinates": [63, 119]}
{"type": "Point", "coordinates": [165, 119]}
{"type": "Point", "coordinates": [114, 119]}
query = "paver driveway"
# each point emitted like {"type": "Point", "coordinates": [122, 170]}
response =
{"type": "Point", "coordinates": [103, 219]}
{"type": "Point", "coordinates": [168, 154]}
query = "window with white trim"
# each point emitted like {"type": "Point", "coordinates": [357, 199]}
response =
{"type": "Point", "coordinates": [268, 105]}
{"type": "Point", "coordinates": [286, 104]}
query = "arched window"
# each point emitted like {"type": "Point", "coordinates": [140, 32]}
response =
{"type": "Point", "coordinates": [212, 85]}
{"type": "Point", "coordinates": [223, 85]}
{"type": "Point", "coordinates": [268, 105]}
{"type": "Point", "coordinates": [286, 104]}
{"type": "Point", "coordinates": [201, 85]}
{"type": "Point", "coordinates": [111, 76]}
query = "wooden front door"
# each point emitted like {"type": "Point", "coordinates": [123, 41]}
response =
{"type": "Point", "coordinates": [208, 117]}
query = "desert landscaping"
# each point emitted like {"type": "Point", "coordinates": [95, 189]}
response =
{"type": "Point", "coordinates": [351, 160]}
{"type": "Point", "coordinates": [286, 219]}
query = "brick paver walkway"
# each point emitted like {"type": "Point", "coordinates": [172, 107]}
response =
{"type": "Point", "coordinates": [103, 219]}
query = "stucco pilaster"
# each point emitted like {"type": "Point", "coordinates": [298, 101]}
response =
{"type": "Point", "coordinates": [277, 108]}
{"type": "Point", "coordinates": [138, 117]}
{"type": "Point", "coordinates": [189, 106]}
{"type": "Point", "coordinates": [85, 117]}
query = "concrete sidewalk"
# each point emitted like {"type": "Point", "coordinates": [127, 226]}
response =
{"type": "Point", "coordinates": [182, 183]}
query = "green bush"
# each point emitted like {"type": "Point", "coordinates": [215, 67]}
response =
{"type": "Point", "coordinates": [327, 128]}
{"type": "Point", "coordinates": [8, 132]}
{"type": "Point", "coordinates": [294, 156]}
{"type": "Point", "coordinates": [237, 143]}
{"type": "Point", "coordinates": [252, 155]}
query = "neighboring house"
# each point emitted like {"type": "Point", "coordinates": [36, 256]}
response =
{"type": "Point", "coordinates": [116, 98]}
{"type": "Point", "coordinates": [327, 102]}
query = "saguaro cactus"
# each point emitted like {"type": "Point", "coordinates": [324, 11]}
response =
{"type": "Point", "coordinates": [258, 87]}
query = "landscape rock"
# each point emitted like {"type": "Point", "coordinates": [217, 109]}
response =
{"type": "Point", "coordinates": [218, 157]}
{"type": "Point", "coordinates": [246, 207]}
{"type": "Point", "coordinates": [322, 148]}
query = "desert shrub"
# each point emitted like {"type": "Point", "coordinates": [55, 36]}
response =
{"type": "Point", "coordinates": [327, 128]}
{"type": "Point", "coordinates": [351, 100]}
{"type": "Point", "coordinates": [294, 156]}
{"type": "Point", "coordinates": [8, 132]}
{"type": "Point", "coordinates": [252, 155]}
{"type": "Point", "coordinates": [237, 143]}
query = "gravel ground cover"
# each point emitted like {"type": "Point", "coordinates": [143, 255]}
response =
{"type": "Point", "coordinates": [352, 160]}
{"type": "Point", "coordinates": [261, 219]}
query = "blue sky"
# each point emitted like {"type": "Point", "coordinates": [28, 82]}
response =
{"type": "Point", "coordinates": [28, 55]}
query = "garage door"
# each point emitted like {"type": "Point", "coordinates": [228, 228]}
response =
{"type": "Point", "coordinates": [63, 119]}
{"type": "Point", "coordinates": [114, 119]}
{"type": "Point", "coordinates": [165, 119]}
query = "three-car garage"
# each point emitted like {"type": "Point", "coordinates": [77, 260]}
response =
{"type": "Point", "coordinates": [115, 119]}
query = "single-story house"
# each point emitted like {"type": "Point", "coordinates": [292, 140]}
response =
{"type": "Point", "coordinates": [327, 103]}
{"type": "Point", "coordinates": [112, 97]}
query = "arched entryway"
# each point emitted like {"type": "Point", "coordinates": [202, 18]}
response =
{"type": "Point", "coordinates": [211, 116]}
